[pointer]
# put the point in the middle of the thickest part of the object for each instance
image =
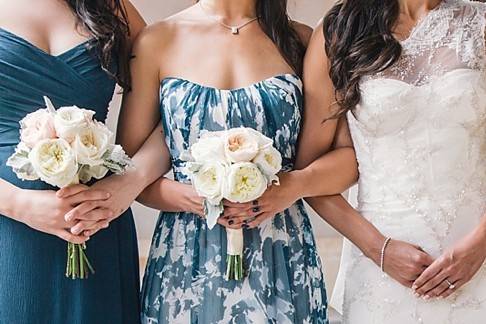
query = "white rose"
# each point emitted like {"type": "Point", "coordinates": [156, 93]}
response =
{"type": "Point", "coordinates": [269, 161]}
{"type": "Point", "coordinates": [208, 149]}
{"type": "Point", "coordinates": [91, 144]}
{"type": "Point", "coordinates": [70, 121]}
{"type": "Point", "coordinates": [241, 144]}
{"type": "Point", "coordinates": [244, 183]}
{"type": "Point", "coordinates": [37, 126]}
{"type": "Point", "coordinates": [208, 181]}
{"type": "Point", "coordinates": [86, 173]}
{"type": "Point", "coordinates": [263, 141]}
{"type": "Point", "coordinates": [54, 162]}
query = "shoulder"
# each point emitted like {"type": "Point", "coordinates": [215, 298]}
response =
{"type": "Point", "coordinates": [466, 9]}
{"type": "Point", "coordinates": [135, 21]}
{"type": "Point", "coordinates": [304, 31]}
{"type": "Point", "coordinates": [160, 35]}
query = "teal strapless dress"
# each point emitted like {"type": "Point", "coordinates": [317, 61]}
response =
{"type": "Point", "coordinates": [184, 280]}
{"type": "Point", "coordinates": [33, 288]}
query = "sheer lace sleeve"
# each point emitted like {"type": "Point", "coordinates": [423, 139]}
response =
{"type": "Point", "coordinates": [450, 37]}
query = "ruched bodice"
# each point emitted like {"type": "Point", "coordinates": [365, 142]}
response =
{"type": "Point", "coordinates": [34, 288]}
{"type": "Point", "coordinates": [248, 107]}
{"type": "Point", "coordinates": [27, 73]}
{"type": "Point", "coordinates": [184, 280]}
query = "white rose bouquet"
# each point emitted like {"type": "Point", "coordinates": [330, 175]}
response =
{"type": "Point", "coordinates": [238, 165]}
{"type": "Point", "coordinates": [64, 147]}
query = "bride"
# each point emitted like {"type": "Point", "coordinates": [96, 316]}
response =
{"type": "Point", "coordinates": [410, 77]}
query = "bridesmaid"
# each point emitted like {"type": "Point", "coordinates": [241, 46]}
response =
{"type": "Point", "coordinates": [249, 76]}
{"type": "Point", "coordinates": [74, 52]}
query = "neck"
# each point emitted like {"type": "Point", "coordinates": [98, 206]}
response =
{"type": "Point", "coordinates": [231, 10]}
{"type": "Point", "coordinates": [416, 9]}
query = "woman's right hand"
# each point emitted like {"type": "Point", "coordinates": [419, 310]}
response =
{"type": "Point", "coordinates": [405, 262]}
{"type": "Point", "coordinates": [42, 210]}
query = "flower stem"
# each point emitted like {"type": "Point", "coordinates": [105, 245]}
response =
{"type": "Point", "coordinates": [78, 265]}
{"type": "Point", "coordinates": [234, 270]}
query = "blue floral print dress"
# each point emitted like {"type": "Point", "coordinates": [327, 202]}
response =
{"type": "Point", "coordinates": [185, 276]}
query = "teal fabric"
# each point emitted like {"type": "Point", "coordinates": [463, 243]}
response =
{"type": "Point", "coordinates": [184, 280]}
{"type": "Point", "coordinates": [33, 288]}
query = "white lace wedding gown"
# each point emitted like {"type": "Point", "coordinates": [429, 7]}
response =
{"type": "Point", "coordinates": [420, 139]}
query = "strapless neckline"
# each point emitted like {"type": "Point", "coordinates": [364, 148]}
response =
{"type": "Point", "coordinates": [236, 89]}
{"type": "Point", "coordinates": [23, 40]}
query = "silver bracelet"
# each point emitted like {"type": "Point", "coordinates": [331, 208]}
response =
{"type": "Point", "coordinates": [382, 257]}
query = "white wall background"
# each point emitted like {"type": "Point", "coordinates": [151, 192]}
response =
{"type": "Point", "coordinates": [306, 11]}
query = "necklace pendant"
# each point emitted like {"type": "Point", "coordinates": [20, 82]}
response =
{"type": "Point", "coordinates": [235, 30]}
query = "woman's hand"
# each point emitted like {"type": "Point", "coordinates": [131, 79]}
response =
{"type": "Point", "coordinates": [276, 199]}
{"type": "Point", "coordinates": [44, 211]}
{"type": "Point", "coordinates": [405, 262]}
{"type": "Point", "coordinates": [453, 269]}
{"type": "Point", "coordinates": [122, 192]}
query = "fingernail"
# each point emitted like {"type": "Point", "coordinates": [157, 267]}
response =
{"type": "Point", "coordinates": [231, 222]}
{"type": "Point", "coordinates": [426, 297]}
{"type": "Point", "coordinates": [416, 295]}
{"type": "Point", "coordinates": [106, 225]}
{"type": "Point", "coordinates": [414, 287]}
{"type": "Point", "coordinates": [108, 195]}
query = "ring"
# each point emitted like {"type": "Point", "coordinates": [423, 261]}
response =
{"type": "Point", "coordinates": [451, 285]}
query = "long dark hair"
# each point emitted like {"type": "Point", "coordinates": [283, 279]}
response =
{"type": "Point", "coordinates": [107, 23]}
{"type": "Point", "coordinates": [359, 41]}
{"type": "Point", "coordinates": [276, 24]}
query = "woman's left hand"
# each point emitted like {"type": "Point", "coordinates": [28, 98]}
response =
{"type": "Point", "coordinates": [276, 199]}
{"type": "Point", "coordinates": [453, 269]}
{"type": "Point", "coordinates": [122, 194]}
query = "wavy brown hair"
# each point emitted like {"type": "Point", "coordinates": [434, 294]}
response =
{"type": "Point", "coordinates": [276, 24]}
{"type": "Point", "coordinates": [359, 41]}
{"type": "Point", "coordinates": [107, 23]}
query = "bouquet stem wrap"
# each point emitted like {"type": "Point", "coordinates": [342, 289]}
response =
{"type": "Point", "coordinates": [234, 260]}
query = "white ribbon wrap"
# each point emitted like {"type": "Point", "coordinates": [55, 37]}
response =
{"type": "Point", "coordinates": [235, 241]}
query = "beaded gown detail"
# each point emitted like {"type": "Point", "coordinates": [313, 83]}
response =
{"type": "Point", "coordinates": [420, 140]}
{"type": "Point", "coordinates": [33, 286]}
{"type": "Point", "coordinates": [184, 280]}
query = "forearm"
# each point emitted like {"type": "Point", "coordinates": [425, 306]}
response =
{"type": "Point", "coordinates": [331, 174]}
{"type": "Point", "coordinates": [165, 194]}
{"type": "Point", "coordinates": [150, 162]}
{"type": "Point", "coordinates": [480, 230]}
{"type": "Point", "coordinates": [345, 219]}
{"type": "Point", "coordinates": [8, 200]}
